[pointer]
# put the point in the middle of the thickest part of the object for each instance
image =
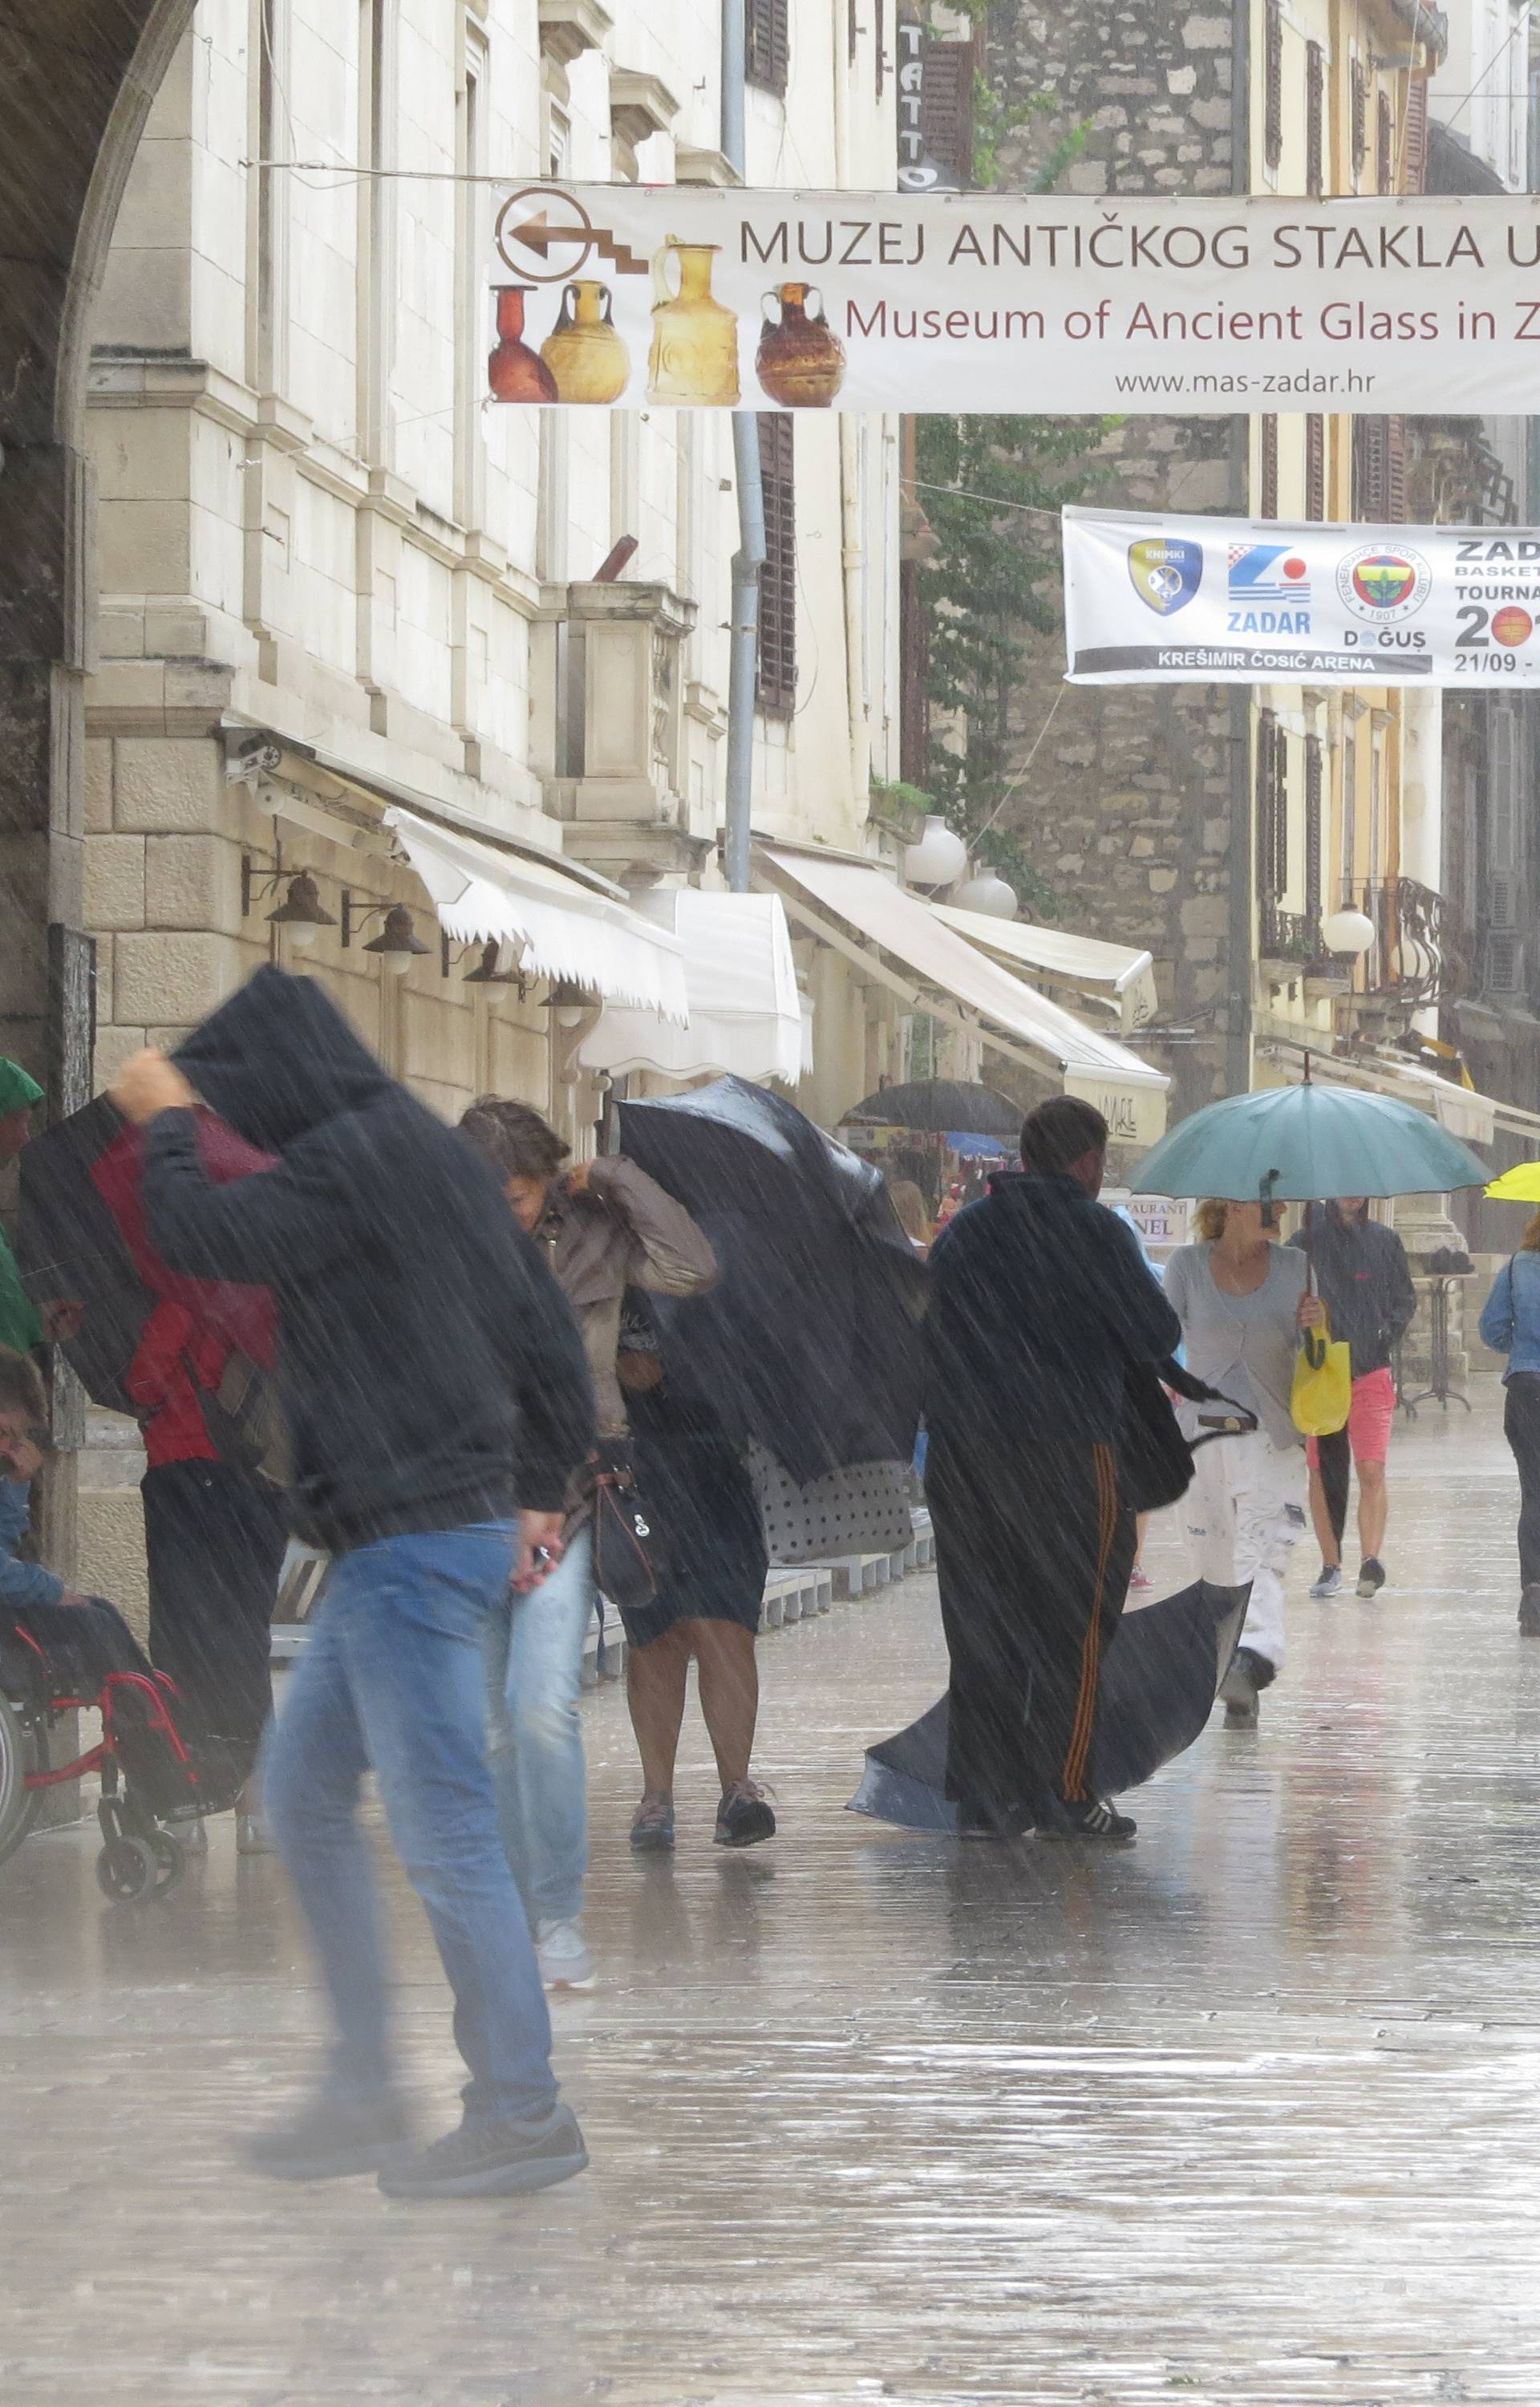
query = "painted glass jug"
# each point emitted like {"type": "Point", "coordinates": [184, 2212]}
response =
{"type": "Point", "coordinates": [515, 372]}
{"type": "Point", "coordinates": [583, 351]}
{"type": "Point", "coordinates": [801, 361]}
{"type": "Point", "coordinates": [694, 355]}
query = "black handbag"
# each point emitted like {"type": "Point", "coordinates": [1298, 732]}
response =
{"type": "Point", "coordinates": [628, 1555]}
{"type": "Point", "coordinates": [1154, 1457]}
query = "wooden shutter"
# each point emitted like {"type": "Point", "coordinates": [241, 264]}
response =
{"type": "Point", "coordinates": [767, 37]}
{"type": "Point", "coordinates": [1269, 467]}
{"type": "Point", "coordinates": [1384, 144]}
{"type": "Point", "coordinates": [1272, 809]}
{"type": "Point", "coordinates": [1272, 82]}
{"type": "Point", "coordinates": [1313, 786]}
{"type": "Point", "coordinates": [1414, 162]}
{"type": "Point", "coordinates": [1315, 466]}
{"type": "Point", "coordinates": [1315, 120]}
{"type": "Point", "coordinates": [777, 667]}
{"type": "Point", "coordinates": [1360, 117]}
{"type": "Point", "coordinates": [946, 108]}
{"type": "Point", "coordinates": [1371, 468]}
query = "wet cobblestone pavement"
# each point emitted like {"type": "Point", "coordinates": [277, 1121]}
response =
{"type": "Point", "coordinates": [1249, 2112]}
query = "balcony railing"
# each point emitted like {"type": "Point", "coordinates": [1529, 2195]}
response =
{"type": "Point", "coordinates": [1291, 937]}
{"type": "Point", "coordinates": [1418, 956]}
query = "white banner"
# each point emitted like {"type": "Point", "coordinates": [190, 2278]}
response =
{"type": "Point", "coordinates": [1202, 601]}
{"type": "Point", "coordinates": [681, 296]}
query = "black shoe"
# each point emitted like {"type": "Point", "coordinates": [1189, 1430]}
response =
{"type": "Point", "coordinates": [1529, 1611]}
{"type": "Point", "coordinates": [1093, 1817]}
{"type": "Point", "coordinates": [492, 2160]}
{"type": "Point", "coordinates": [992, 1822]}
{"type": "Point", "coordinates": [743, 1818]}
{"type": "Point", "coordinates": [330, 2138]}
{"type": "Point", "coordinates": [1371, 1575]}
{"type": "Point", "coordinates": [1242, 1685]}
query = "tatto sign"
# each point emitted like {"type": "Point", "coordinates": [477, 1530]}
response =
{"type": "Point", "coordinates": [1168, 601]}
{"type": "Point", "coordinates": [671, 296]}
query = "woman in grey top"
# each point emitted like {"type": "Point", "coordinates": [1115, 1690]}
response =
{"type": "Point", "coordinates": [1242, 1301]}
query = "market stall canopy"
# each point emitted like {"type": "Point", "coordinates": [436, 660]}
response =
{"type": "Point", "coordinates": [1015, 1020]}
{"type": "Point", "coordinates": [746, 1015]}
{"type": "Point", "coordinates": [555, 927]}
{"type": "Point", "coordinates": [1116, 974]}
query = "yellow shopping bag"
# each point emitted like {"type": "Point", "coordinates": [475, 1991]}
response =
{"type": "Point", "coordinates": [1324, 1383]}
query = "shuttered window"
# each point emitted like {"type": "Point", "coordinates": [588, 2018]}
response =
{"type": "Point", "coordinates": [1272, 84]}
{"type": "Point", "coordinates": [1268, 507]}
{"type": "Point", "coordinates": [1272, 809]}
{"type": "Point", "coordinates": [1414, 166]}
{"type": "Point", "coordinates": [1315, 466]}
{"type": "Point", "coordinates": [946, 108]}
{"type": "Point", "coordinates": [1315, 120]}
{"type": "Point", "coordinates": [777, 666]}
{"type": "Point", "coordinates": [1314, 782]}
{"type": "Point", "coordinates": [1379, 469]}
{"type": "Point", "coordinates": [1360, 117]}
{"type": "Point", "coordinates": [767, 39]}
{"type": "Point", "coordinates": [1384, 144]}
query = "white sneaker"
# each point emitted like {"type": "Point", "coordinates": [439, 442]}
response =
{"type": "Point", "coordinates": [565, 1960]}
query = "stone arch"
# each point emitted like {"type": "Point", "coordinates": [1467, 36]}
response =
{"type": "Point", "coordinates": [77, 81]}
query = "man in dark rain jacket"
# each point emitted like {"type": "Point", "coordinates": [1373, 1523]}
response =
{"type": "Point", "coordinates": [438, 1399]}
{"type": "Point", "coordinates": [1040, 1300]}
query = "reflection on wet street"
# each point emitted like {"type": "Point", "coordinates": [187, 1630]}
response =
{"type": "Point", "coordinates": [1248, 2112]}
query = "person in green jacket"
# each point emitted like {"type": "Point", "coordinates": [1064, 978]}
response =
{"type": "Point", "coordinates": [21, 1324]}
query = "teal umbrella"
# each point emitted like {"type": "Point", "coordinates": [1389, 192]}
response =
{"type": "Point", "coordinates": [1299, 1144]}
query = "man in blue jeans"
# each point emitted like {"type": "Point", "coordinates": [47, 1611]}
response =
{"type": "Point", "coordinates": [438, 1402]}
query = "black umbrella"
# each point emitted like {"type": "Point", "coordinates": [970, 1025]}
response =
{"type": "Point", "coordinates": [811, 1340]}
{"type": "Point", "coordinates": [70, 1250]}
{"type": "Point", "coordinates": [934, 1106]}
{"type": "Point", "coordinates": [1159, 1677]}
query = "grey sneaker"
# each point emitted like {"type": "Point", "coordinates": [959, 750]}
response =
{"type": "Point", "coordinates": [492, 2160]}
{"type": "Point", "coordinates": [330, 2138]}
{"type": "Point", "coordinates": [566, 1961]}
{"type": "Point", "coordinates": [1242, 1685]}
{"type": "Point", "coordinates": [652, 1824]}
{"type": "Point", "coordinates": [1329, 1582]}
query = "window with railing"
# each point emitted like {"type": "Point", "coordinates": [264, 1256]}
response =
{"type": "Point", "coordinates": [1272, 809]}
{"type": "Point", "coordinates": [1359, 109]}
{"type": "Point", "coordinates": [1315, 465]}
{"type": "Point", "coordinates": [1384, 144]}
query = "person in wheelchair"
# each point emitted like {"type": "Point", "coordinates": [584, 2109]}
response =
{"type": "Point", "coordinates": [60, 1649]}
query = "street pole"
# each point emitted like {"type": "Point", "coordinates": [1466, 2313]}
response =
{"type": "Point", "coordinates": [747, 561]}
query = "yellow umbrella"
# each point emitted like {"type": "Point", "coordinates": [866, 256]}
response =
{"type": "Point", "coordinates": [1519, 1185]}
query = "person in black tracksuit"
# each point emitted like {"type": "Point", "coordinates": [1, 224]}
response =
{"type": "Point", "coordinates": [1040, 1300]}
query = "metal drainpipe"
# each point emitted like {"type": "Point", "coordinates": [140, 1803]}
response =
{"type": "Point", "coordinates": [749, 558]}
{"type": "Point", "coordinates": [1240, 922]}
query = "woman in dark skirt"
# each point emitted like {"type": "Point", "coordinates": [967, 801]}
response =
{"type": "Point", "coordinates": [697, 1483]}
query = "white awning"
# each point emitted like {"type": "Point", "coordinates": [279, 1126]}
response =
{"type": "Point", "coordinates": [555, 927]}
{"type": "Point", "coordinates": [1465, 1113]}
{"type": "Point", "coordinates": [1017, 1020]}
{"type": "Point", "coordinates": [746, 1015]}
{"type": "Point", "coordinates": [1117, 975]}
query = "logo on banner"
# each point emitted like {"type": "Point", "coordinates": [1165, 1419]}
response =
{"type": "Point", "coordinates": [1166, 571]}
{"type": "Point", "coordinates": [1384, 587]}
{"type": "Point", "coordinates": [1269, 590]}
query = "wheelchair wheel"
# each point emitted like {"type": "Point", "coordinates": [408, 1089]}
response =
{"type": "Point", "coordinates": [127, 1869]}
{"type": "Point", "coordinates": [19, 1755]}
{"type": "Point", "coordinates": [170, 1860]}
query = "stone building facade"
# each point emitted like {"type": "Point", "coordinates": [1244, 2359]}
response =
{"type": "Point", "coordinates": [1129, 809]}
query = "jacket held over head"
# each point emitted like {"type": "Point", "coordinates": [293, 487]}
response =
{"type": "Point", "coordinates": [431, 1373]}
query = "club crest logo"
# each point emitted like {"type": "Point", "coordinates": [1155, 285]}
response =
{"type": "Point", "coordinates": [1383, 586]}
{"type": "Point", "coordinates": [1167, 572]}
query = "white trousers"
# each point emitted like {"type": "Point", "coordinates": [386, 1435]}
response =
{"type": "Point", "coordinates": [1245, 1514]}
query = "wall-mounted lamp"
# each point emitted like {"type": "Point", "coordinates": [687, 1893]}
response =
{"type": "Point", "coordinates": [398, 944]}
{"type": "Point", "coordinates": [486, 972]}
{"type": "Point", "coordinates": [301, 912]}
{"type": "Point", "coordinates": [568, 1002]}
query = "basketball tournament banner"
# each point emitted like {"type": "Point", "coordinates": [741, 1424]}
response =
{"type": "Point", "coordinates": [685, 297]}
{"type": "Point", "coordinates": [1201, 601]}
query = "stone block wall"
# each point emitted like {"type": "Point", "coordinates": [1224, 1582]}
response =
{"type": "Point", "coordinates": [1125, 811]}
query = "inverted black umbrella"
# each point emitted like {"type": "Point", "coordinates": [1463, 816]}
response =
{"type": "Point", "coordinates": [811, 1340]}
{"type": "Point", "coordinates": [931, 1107]}
{"type": "Point", "coordinates": [1160, 1677]}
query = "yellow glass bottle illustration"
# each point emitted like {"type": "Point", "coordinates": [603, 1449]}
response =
{"type": "Point", "coordinates": [583, 351]}
{"type": "Point", "coordinates": [694, 356]}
